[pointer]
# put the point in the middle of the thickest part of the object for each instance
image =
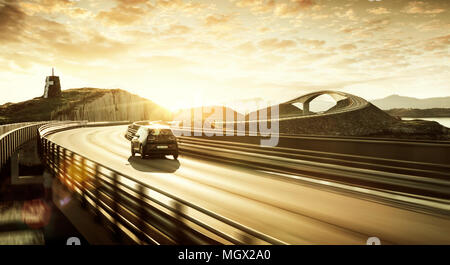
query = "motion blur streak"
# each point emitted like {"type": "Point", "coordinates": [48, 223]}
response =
{"type": "Point", "coordinates": [291, 212]}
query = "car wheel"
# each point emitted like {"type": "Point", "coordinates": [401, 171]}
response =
{"type": "Point", "coordinates": [175, 156]}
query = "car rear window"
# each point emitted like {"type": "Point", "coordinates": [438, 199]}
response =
{"type": "Point", "coordinates": [161, 132]}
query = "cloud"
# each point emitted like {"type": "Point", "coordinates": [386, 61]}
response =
{"type": "Point", "coordinates": [46, 6]}
{"type": "Point", "coordinates": [276, 44]}
{"type": "Point", "coordinates": [293, 7]}
{"type": "Point", "coordinates": [368, 27]}
{"type": "Point", "coordinates": [379, 10]}
{"type": "Point", "coordinates": [96, 47]}
{"type": "Point", "coordinates": [12, 22]}
{"type": "Point", "coordinates": [203, 41]}
{"type": "Point", "coordinates": [32, 36]}
{"type": "Point", "coordinates": [349, 14]}
{"type": "Point", "coordinates": [125, 12]}
{"type": "Point", "coordinates": [420, 7]}
{"type": "Point", "coordinates": [55, 7]}
{"type": "Point", "coordinates": [246, 48]}
{"type": "Point", "coordinates": [180, 5]}
{"type": "Point", "coordinates": [213, 20]}
{"type": "Point", "coordinates": [312, 43]}
{"type": "Point", "coordinates": [347, 47]}
{"type": "Point", "coordinates": [437, 43]}
{"type": "Point", "coordinates": [166, 62]}
{"type": "Point", "coordinates": [314, 57]}
{"type": "Point", "coordinates": [434, 24]}
{"type": "Point", "coordinates": [278, 8]}
{"type": "Point", "coordinates": [176, 29]}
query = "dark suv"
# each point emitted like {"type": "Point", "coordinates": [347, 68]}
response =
{"type": "Point", "coordinates": [154, 140]}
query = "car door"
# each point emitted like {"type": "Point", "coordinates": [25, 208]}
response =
{"type": "Point", "coordinates": [143, 134]}
{"type": "Point", "coordinates": [136, 139]}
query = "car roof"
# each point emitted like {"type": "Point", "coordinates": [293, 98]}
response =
{"type": "Point", "coordinates": [156, 126]}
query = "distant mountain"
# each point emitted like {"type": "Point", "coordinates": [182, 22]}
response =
{"type": "Point", "coordinates": [420, 113]}
{"type": "Point", "coordinates": [396, 102]}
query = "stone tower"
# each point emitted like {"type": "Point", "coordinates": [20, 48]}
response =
{"type": "Point", "coordinates": [52, 86]}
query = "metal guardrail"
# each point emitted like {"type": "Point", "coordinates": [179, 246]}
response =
{"type": "Point", "coordinates": [152, 216]}
{"type": "Point", "coordinates": [5, 128]}
{"type": "Point", "coordinates": [143, 212]}
{"type": "Point", "coordinates": [13, 139]}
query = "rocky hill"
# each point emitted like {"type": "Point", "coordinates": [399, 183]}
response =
{"type": "Point", "coordinates": [367, 121]}
{"type": "Point", "coordinates": [90, 104]}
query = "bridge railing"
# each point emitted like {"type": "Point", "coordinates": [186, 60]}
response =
{"type": "Point", "coordinates": [11, 126]}
{"type": "Point", "coordinates": [14, 136]}
{"type": "Point", "coordinates": [145, 213]}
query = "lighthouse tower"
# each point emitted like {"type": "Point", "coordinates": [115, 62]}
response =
{"type": "Point", "coordinates": [52, 86]}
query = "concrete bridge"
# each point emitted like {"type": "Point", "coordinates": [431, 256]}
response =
{"type": "Point", "coordinates": [344, 101]}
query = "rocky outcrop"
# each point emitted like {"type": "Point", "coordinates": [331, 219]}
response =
{"type": "Point", "coordinates": [418, 128]}
{"type": "Point", "coordinates": [91, 104]}
{"type": "Point", "coordinates": [113, 105]}
{"type": "Point", "coordinates": [365, 121]}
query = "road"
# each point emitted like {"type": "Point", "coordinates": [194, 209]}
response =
{"type": "Point", "coordinates": [292, 212]}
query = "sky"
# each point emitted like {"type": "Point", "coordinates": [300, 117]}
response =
{"type": "Point", "coordinates": [188, 53]}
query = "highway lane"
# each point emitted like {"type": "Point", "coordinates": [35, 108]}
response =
{"type": "Point", "coordinates": [291, 212]}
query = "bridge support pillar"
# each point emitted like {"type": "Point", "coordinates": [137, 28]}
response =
{"type": "Point", "coordinates": [14, 166]}
{"type": "Point", "coordinates": [306, 108]}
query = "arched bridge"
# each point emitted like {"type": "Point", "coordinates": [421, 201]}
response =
{"type": "Point", "coordinates": [344, 101]}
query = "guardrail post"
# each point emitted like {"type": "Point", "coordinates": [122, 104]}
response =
{"type": "Point", "coordinates": [8, 145]}
{"type": "Point", "coordinates": [142, 214]}
{"type": "Point", "coordinates": [82, 180]}
{"type": "Point", "coordinates": [97, 193]}
{"type": "Point", "coordinates": [115, 206]}
{"type": "Point", "coordinates": [52, 148]}
{"type": "Point", "coordinates": [179, 233]}
{"type": "Point", "coordinates": [72, 172]}
{"type": "Point", "coordinates": [2, 153]}
{"type": "Point", "coordinates": [39, 148]}
{"type": "Point", "coordinates": [58, 160]}
{"type": "Point", "coordinates": [64, 165]}
{"type": "Point", "coordinates": [47, 153]}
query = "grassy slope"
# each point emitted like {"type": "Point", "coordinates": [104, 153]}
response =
{"type": "Point", "coordinates": [39, 109]}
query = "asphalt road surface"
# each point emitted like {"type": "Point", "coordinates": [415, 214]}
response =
{"type": "Point", "coordinates": [290, 211]}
